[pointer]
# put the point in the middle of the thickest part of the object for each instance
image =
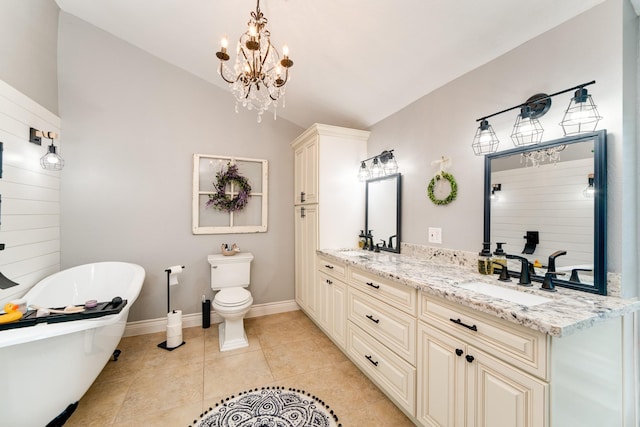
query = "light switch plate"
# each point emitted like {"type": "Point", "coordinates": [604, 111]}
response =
{"type": "Point", "coordinates": [435, 235]}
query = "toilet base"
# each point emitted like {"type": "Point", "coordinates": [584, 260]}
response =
{"type": "Point", "coordinates": [231, 335]}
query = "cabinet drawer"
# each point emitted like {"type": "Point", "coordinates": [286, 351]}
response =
{"type": "Point", "coordinates": [333, 268]}
{"type": "Point", "coordinates": [391, 373]}
{"type": "Point", "coordinates": [520, 346]}
{"type": "Point", "coordinates": [394, 328]}
{"type": "Point", "coordinates": [400, 296]}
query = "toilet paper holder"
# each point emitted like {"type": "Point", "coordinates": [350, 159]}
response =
{"type": "Point", "coordinates": [163, 344]}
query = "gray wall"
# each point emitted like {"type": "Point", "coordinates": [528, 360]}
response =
{"type": "Point", "coordinates": [28, 48]}
{"type": "Point", "coordinates": [443, 124]}
{"type": "Point", "coordinates": [131, 124]}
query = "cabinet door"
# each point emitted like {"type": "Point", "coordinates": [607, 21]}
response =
{"type": "Point", "coordinates": [305, 165]}
{"type": "Point", "coordinates": [338, 319]}
{"type": "Point", "coordinates": [503, 396]}
{"type": "Point", "coordinates": [441, 379]}
{"type": "Point", "coordinates": [306, 241]}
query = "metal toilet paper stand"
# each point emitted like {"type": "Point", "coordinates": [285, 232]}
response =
{"type": "Point", "coordinates": [163, 344]}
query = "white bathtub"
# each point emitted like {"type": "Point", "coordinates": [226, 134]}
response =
{"type": "Point", "coordinates": [46, 367]}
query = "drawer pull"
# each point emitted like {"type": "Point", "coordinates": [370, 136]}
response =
{"type": "Point", "coordinates": [329, 266]}
{"type": "Point", "coordinates": [469, 358]}
{"type": "Point", "coordinates": [459, 352]}
{"type": "Point", "coordinates": [302, 194]}
{"type": "Point", "coordinates": [372, 285]}
{"type": "Point", "coordinates": [459, 322]}
{"type": "Point", "coordinates": [329, 282]}
{"type": "Point", "coordinates": [375, 363]}
{"type": "Point", "coordinates": [370, 317]}
{"type": "Point", "coordinates": [302, 214]}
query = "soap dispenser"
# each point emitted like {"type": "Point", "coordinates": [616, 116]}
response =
{"type": "Point", "coordinates": [500, 256]}
{"type": "Point", "coordinates": [362, 240]}
{"type": "Point", "coordinates": [485, 263]}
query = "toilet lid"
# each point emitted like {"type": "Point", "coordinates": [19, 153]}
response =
{"type": "Point", "coordinates": [232, 296]}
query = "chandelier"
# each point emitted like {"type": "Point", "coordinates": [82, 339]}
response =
{"type": "Point", "coordinates": [259, 75]}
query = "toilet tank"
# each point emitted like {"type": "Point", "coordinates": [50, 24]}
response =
{"type": "Point", "coordinates": [230, 271]}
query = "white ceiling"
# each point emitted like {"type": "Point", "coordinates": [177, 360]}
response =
{"type": "Point", "coordinates": [356, 61]}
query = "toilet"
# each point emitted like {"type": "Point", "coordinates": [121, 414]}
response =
{"type": "Point", "coordinates": [229, 277]}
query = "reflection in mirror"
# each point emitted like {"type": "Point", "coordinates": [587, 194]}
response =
{"type": "Point", "coordinates": [382, 212]}
{"type": "Point", "coordinates": [548, 203]}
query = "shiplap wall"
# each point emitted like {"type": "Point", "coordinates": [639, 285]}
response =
{"type": "Point", "coordinates": [30, 210]}
{"type": "Point", "coordinates": [535, 195]}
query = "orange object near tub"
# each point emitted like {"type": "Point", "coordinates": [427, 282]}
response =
{"type": "Point", "coordinates": [12, 313]}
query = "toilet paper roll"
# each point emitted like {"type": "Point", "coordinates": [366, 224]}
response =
{"type": "Point", "coordinates": [174, 330]}
{"type": "Point", "coordinates": [174, 341]}
{"type": "Point", "coordinates": [174, 318]}
{"type": "Point", "coordinates": [173, 274]}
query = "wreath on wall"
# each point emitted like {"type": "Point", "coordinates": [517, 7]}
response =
{"type": "Point", "coordinates": [442, 175]}
{"type": "Point", "coordinates": [220, 200]}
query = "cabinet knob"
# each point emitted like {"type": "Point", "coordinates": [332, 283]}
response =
{"type": "Point", "coordinates": [459, 352]}
{"type": "Point", "coordinates": [329, 282]}
{"type": "Point", "coordinates": [469, 358]}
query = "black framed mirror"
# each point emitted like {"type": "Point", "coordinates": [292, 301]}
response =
{"type": "Point", "coordinates": [382, 211]}
{"type": "Point", "coordinates": [550, 199]}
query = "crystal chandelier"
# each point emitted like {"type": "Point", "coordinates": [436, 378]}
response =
{"type": "Point", "coordinates": [259, 75]}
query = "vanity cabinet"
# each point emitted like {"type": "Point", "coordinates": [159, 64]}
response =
{"type": "Point", "coordinates": [381, 334]}
{"type": "Point", "coordinates": [331, 293]}
{"type": "Point", "coordinates": [325, 187]}
{"type": "Point", "coordinates": [466, 372]}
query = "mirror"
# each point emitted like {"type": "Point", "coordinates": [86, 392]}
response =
{"type": "Point", "coordinates": [382, 211]}
{"type": "Point", "coordinates": [551, 197]}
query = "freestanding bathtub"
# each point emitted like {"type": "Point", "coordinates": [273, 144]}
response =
{"type": "Point", "coordinates": [46, 367]}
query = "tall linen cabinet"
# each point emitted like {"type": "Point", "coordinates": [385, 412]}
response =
{"type": "Point", "coordinates": [329, 201]}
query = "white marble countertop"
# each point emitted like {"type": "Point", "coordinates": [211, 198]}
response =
{"type": "Point", "coordinates": [567, 311]}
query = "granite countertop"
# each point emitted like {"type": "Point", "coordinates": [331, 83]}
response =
{"type": "Point", "coordinates": [567, 311]}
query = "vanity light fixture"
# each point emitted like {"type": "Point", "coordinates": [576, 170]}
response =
{"type": "Point", "coordinates": [383, 164]}
{"type": "Point", "coordinates": [589, 191]}
{"type": "Point", "coordinates": [494, 188]}
{"type": "Point", "coordinates": [51, 160]}
{"type": "Point", "coordinates": [258, 77]}
{"type": "Point", "coordinates": [581, 116]}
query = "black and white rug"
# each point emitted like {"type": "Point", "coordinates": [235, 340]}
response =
{"type": "Point", "coordinates": [269, 407]}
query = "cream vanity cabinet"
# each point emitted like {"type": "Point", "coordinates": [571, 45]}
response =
{"type": "Point", "coordinates": [381, 334]}
{"type": "Point", "coordinates": [328, 199]}
{"type": "Point", "coordinates": [331, 293]}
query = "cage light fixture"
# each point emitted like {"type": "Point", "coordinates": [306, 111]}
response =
{"type": "Point", "coordinates": [259, 76]}
{"type": "Point", "coordinates": [581, 116]}
{"type": "Point", "coordinates": [380, 165]}
{"type": "Point", "coordinates": [589, 191]}
{"type": "Point", "coordinates": [51, 160]}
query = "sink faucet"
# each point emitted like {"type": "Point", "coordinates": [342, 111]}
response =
{"type": "Point", "coordinates": [551, 265]}
{"type": "Point", "coordinates": [391, 241]}
{"type": "Point", "coordinates": [525, 275]}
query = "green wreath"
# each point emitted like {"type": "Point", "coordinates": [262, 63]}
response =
{"type": "Point", "coordinates": [220, 200]}
{"type": "Point", "coordinates": [454, 189]}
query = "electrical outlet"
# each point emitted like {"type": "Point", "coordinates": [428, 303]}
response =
{"type": "Point", "coordinates": [435, 235]}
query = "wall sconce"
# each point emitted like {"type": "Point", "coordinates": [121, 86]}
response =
{"type": "Point", "coordinates": [51, 160]}
{"type": "Point", "coordinates": [589, 191]}
{"type": "Point", "coordinates": [494, 188]}
{"type": "Point", "coordinates": [581, 116]}
{"type": "Point", "coordinates": [382, 164]}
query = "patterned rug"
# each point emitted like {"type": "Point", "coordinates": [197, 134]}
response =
{"type": "Point", "coordinates": [269, 407]}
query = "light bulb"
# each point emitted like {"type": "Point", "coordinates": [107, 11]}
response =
{"type": "Point", "coordinates": [252, 30]}
{"type": "Point", "coordinates": [224, 43]}
{"type": "Point", "coordinates": [285, 50]}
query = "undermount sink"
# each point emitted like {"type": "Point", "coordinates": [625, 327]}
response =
{"type": "Point", "coordinates": [355, 253]}
{"type": "Point", "coordinates": [510, 295]}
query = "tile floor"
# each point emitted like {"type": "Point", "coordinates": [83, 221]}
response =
{"type": "Point", "coordinates": [149, 386]}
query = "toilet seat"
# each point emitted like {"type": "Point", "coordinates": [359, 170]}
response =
{"type": "Point", "coordinates": [232, 297]}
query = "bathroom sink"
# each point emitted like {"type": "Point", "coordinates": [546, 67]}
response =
{"type": "Point", "coordinates": [362, 254]}
{"type": "Point", "coordinates": [510, 295]}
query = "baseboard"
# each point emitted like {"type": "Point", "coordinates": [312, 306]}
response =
{"type": "Point", "coordinates": [151, 326]}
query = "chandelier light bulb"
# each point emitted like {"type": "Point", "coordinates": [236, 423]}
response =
{"type": "Point", "coordinates": [285, 50]}
{"type": "Point", "coordinates": [224, 43]}
{"type": "Point", "coordinates": [252, 30]}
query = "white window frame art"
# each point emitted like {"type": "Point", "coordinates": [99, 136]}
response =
{"type": "Point", "coordinates": [202, 190]}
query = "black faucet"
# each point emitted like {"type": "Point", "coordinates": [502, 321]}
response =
{"type": "Point", "coordinates": [391, 241]}
{"type": "Point", "coordinates": [525, 275]}
{"type": "Point", "coordinates": [551, 265]}
{"type": "Point", "coordinates": [547, 284]}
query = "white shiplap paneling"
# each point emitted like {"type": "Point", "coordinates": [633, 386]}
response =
{"type": "Point", "coordinates": [30, 211]}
